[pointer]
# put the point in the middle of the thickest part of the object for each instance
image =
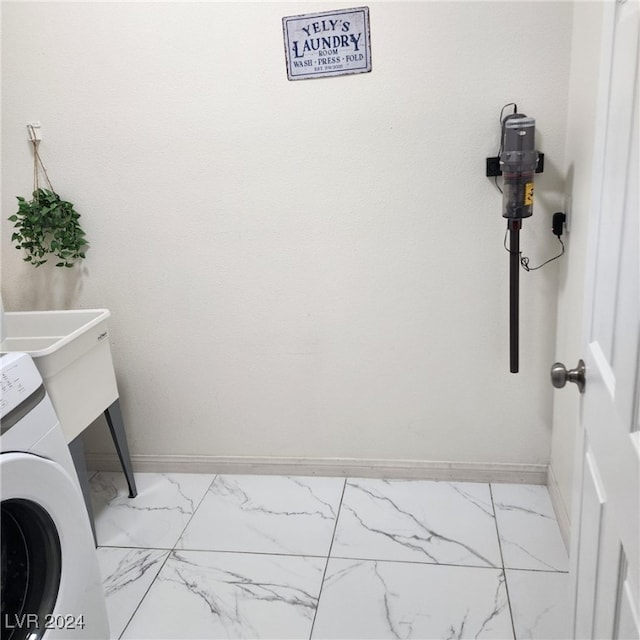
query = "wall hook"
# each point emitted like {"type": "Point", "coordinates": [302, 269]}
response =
{"type": "Point", "coordinates": [35, 132]}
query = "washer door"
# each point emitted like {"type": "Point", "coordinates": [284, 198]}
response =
{"type": "Point", "coordinates": [50, 582]}
{"type": "Point", "coordinates": [31, 567]}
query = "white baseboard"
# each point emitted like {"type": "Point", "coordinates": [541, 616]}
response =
{"type": "Point", "coordinates": [560, 508]}
{"type": "Point", "coordinates": [341, 467]}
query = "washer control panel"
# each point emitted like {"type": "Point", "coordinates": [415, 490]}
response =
{"type": "Point", "coordinates": [19, 379]}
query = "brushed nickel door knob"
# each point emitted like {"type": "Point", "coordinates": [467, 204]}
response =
{"type": "Point", "coordinates": [560, 375]}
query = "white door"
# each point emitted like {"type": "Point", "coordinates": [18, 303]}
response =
{"type": "Point", "coordinates": [606, 533]}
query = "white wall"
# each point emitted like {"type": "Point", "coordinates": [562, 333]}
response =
{"type": "Point", "coordinates": [307, 269]}
{"type": "Point", "coordinates": [581, 119]}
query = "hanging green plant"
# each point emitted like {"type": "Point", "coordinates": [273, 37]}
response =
{"type": "Point", "coordinates": [46, 224]}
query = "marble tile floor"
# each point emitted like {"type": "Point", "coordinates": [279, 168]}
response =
{"type": "Point", "coordinates": [231, 556]}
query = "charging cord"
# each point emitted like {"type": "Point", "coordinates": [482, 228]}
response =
{"type": "Point", "coordinates": [558, 221]}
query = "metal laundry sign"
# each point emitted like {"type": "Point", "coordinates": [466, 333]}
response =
{"type": "Point", "coordinates": [331, 43]}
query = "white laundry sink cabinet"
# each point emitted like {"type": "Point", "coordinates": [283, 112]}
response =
{"type": "Point", "coordinates": [72, 353]}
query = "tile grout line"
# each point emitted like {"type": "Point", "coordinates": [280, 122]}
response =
{"type": "Point", "coordinates": [326, 566]}
{"type": "Point", "coordinates": [504, 571]}
{"type": "Point", "coordinates": [144, 595]}
{"type": "Point", "coordinates": [204, 495]}
{"type": "Point", "coordinates": [492, 567]}
{"type": "Point", "coordinates": [169, 552]}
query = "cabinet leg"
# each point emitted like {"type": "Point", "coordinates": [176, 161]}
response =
{"type": "Point", "coordinates": [76, 447]}
{"type": "Point", "coordinates": [116, 426]}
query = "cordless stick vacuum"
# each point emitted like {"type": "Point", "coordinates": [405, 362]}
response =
{"type": "Point", "coordinates": [518, 162]}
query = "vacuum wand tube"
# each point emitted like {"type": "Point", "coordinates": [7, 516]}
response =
{"type": "Point", "coordinates": [518, 161]}
{"type": "Point", "coordinates": [514, 294]}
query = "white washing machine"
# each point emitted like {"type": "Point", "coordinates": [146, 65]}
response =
{"type": "Point", "coordinates": [51, 584]}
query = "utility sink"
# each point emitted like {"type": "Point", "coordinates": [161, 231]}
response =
{"type": "Point", "coordinates": [72, 352]}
